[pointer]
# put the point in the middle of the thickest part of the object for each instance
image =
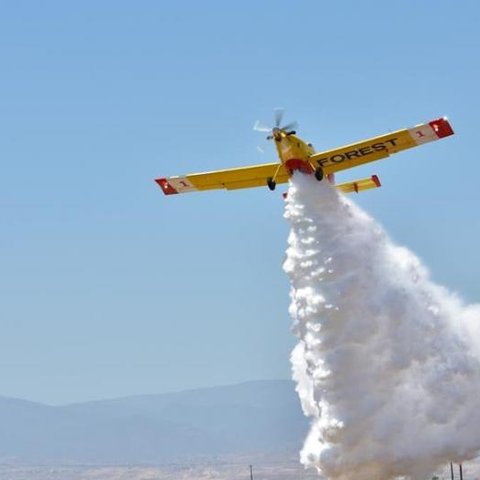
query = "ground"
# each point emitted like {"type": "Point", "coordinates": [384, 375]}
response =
{"type": "Point", "coordinates": [223, 469]}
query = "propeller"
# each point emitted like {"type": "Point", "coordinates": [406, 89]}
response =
{"type": "Point", "coordinates": [261, 127]}
{"type": "Point", "coordinates": [278, 117]}
{"type": "Point", "coordinates": [278, 113]}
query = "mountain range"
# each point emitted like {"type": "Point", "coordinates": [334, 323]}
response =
{"type": "Point", "coordinates": [261, 417]}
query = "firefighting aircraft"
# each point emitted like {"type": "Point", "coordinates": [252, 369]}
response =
{"type": "Point", "coordinates": [296, 155]}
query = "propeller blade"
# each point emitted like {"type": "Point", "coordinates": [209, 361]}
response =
{"type": "Point", "coordinates": [290, 126]}
{"type": "Point", "coordinates": [278, 116]}
{"type": "Point", "coordinates": [261, 127]}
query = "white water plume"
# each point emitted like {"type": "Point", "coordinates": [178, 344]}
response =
{"type": "Point", "coordinates": [388, 363]}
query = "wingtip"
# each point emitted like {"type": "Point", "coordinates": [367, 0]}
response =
{"type": "Point", "coordinates": [442, 127]}
{"type": "Point", "coordinates": [376, 181]}
{"type": "Point", "coordinates": [166, 187]}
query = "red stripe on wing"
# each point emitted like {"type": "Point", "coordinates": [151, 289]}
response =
{"type": "Point", "coordinates": [165, 186]}
{"type": "Point", "coordinates": [442, 127]}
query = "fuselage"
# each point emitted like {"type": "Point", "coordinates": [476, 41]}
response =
{"type": "Point", "coordinates": [293, 151]}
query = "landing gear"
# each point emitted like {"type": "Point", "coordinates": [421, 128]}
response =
{"type": "Point", "coordinates": [271, 180]}
{"type": "Point", "coordinates": [319, 173]}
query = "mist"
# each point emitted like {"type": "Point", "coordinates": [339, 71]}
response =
{"type": "Point", "coordinates": [387, 363]}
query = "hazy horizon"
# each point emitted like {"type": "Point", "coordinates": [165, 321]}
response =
{"type": "Point", "coordinates": [183, 390]}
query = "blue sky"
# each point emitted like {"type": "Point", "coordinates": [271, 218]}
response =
{"type": "Point", "coordinates": [109, 288]}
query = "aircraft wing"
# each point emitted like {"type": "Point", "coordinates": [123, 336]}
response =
{"type": "Point", "coordinates": [380, 147]}
{"type": "Point", "coordinates": [233, 178]}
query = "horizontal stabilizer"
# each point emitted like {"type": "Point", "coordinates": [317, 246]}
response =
{"type": "Point", "coordinates": [359, 185]}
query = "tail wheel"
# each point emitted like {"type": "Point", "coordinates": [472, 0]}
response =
{"type": "Point", "coordinates": [271, 183]}
{"type": "Point", "coordinates": [319, 173]}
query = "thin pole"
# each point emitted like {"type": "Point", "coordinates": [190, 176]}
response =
{"type": "Point", "coordinates": [461, 471]}
{"type": "Point", "coordinates": [451, 471]}
{"type": "Point", "coordinates": [251, 472]}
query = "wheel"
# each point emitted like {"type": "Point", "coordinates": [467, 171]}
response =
{"type": "Point", "coordinates": [271, 183]}
{"type": "Point", "coordinates": [319, 173]}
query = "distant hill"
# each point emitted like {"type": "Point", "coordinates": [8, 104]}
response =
{"type": "Point", "coordinates": [262, 417]}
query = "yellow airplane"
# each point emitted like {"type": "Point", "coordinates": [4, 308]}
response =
{"type": "Point", "coordinates": [296, 155]}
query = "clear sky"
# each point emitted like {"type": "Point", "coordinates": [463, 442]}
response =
{"type": "Point", "coordinates": [109, 288]}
